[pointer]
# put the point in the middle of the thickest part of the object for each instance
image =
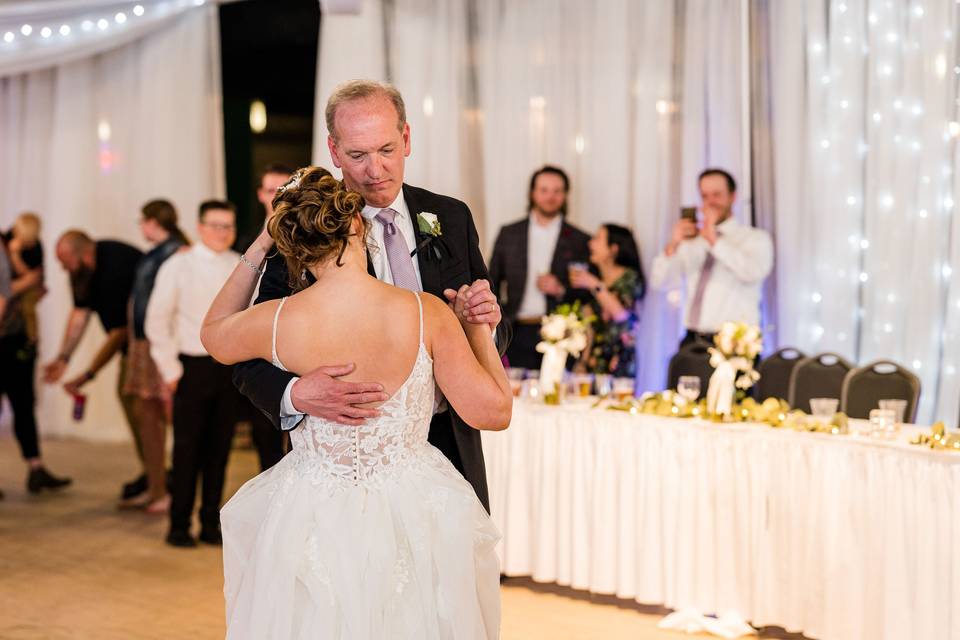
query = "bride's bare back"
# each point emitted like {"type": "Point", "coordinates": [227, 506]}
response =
{"type": "Point", "coordinates": [375, 326]}
{"type": "Point", "coordinates": [351, 317]}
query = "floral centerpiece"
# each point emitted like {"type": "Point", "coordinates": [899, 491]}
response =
{"type": "Point", "coordinates": [737, 346]}
{"type": "Point", "coordinates": [563, 333]}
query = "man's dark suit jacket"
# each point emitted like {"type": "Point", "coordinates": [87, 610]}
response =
{"type": "Point", "coordinates": [508, 265]}
{"type": "Point", "coordinates": [459, 263]}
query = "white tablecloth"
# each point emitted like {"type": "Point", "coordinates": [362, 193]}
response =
{"type": "Point", "coordinates": [842, 538]}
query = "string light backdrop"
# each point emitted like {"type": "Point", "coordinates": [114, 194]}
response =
{"type": "Point", "coordinates": [867, 270]}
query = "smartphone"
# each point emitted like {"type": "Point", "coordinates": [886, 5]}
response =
{"type": "Point", "coordinates": [688, 213]}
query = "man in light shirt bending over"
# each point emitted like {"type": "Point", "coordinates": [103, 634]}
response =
{"type": "Point", "coordinates": [723, 262]}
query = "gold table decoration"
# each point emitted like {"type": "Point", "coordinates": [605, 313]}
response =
{"type": "Point", "coordinates": [938, 438]}
{"type": "Point", "coordinates": [772, 412]}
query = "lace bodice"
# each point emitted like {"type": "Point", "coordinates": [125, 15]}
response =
{"type": "Point", "coordinates": [347, 455]}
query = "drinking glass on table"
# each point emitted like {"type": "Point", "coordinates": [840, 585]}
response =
{"type": "Point", "coordinates": [897, 406]}
{"type": "Point", "coordinates": [516, 375]}
{"type": "Point", "coordinates": [883, 423]}
{"type": "Point", "coordinates": [531, 384]}
{"type": "Point", "coordinates": [689, 388]}
{"type": "Point", "coordinates": [823, 409]}
{"type": "Point", "coordinates": [604, 383]}
{"type": "Point", "coordinates": [623, 388]}
{"type": "Point", "coordinates": [582, 383]}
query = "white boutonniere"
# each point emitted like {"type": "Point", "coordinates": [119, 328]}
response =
{"type": "Point", "coordinates": [429, 224]}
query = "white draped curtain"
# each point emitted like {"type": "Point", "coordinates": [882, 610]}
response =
{"type": "Point", "coordinates": [862, 113]}
{"type": "Point", "coordinates": [87, 140]}
{"type": "Point", "coordinates": [633, 99]}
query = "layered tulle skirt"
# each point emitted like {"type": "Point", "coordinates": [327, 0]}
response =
{"type": "Point", "coordinates": [408, 554]}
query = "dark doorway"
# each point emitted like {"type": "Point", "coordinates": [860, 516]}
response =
{"type": "Point", "coordinates": [269, 53]}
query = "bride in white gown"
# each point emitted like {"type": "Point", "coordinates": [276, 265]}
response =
{"type": "Point", "coordinates": [360, 532]}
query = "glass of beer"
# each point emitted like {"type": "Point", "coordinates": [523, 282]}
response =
{"type": "Point", "coordinates": [583, 383]}
{"type": "Point", "coordinates": [623, 388]}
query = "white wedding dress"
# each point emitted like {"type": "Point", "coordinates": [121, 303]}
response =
{"type": "Point", "coordinates": [362, 533]}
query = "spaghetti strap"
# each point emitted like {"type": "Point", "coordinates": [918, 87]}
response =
{"type": "Point", "coordinates": [420, 308]}
{"type": "Point", "coordinates": [273, 339]}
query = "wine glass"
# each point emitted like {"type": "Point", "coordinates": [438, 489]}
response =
{"type": "Point", "coordinates": [689, 388]}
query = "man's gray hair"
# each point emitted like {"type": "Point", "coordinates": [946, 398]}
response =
{"type": "Point", "coordinates": [360, 89]}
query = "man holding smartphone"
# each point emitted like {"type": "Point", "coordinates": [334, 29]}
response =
{"type": "Point", "coordinates": [722, 261]}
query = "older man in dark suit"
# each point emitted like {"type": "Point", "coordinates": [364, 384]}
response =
{"type": "Point", "coordinates": [531, 263]}
{"type": "Point", "coordinates": [369, 140]}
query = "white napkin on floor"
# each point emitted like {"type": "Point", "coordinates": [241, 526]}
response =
{"type": "Point", "coordinates": [727, 625]}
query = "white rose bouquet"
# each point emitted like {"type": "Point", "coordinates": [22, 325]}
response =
{"type": "Point", "coordinates": [563, 333]}
{"type": "Point", "coordinates": [739, 344]}
{"type": "Point", "coordinates": [564, 329]}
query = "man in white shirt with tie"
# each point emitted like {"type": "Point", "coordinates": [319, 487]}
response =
{"type": "Point", "coordinates": [205, 402]}
{"type": "Point", "coordinates": [723, 262]}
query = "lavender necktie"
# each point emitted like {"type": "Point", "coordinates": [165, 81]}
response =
{"type": "Point", "coordinates": [696, 305]}
{"type": "Point", "coordinates": [398, 254]}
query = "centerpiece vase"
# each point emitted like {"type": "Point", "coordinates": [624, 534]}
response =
{"type": "Point", "coordinates": [551, 373]}
{"type": "Point", "coordinates": [721, 390]}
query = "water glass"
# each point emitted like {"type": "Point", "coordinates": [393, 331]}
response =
{"type": "Point", "coordinates": [897, 406]}
{"type": "Point", "coordinates": [576, 266]}
{"type": "Point", "coordinates": [883, 423]}
{"type": "Point", "coordinates": [823, 408]}
{"type": "Point", "coordinates": [604, 383]}
{"type": "Point", "coordinates": [689, 387]}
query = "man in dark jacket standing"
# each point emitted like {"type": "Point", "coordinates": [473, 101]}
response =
{"type": "Point", "coordinates": [531, 263]}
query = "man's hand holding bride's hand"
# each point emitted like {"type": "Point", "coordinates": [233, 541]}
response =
{"type": "Point", "coordinates": [475, 304]}
{"type": "Point", "coordinates": [320, 393]}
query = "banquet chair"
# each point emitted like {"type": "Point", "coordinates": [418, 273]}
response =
{"type": "Point", "coordinates": [819, 376]}
{"type": "Point", "coordinates": [865, 387]}
{"type": "Point", "coordinates": [775, 372]}
{"type": "Point", "coordinates": [691, 360]}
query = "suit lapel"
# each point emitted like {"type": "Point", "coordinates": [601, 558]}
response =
{"type": "Point", "coordinates": [429, 269]}
{"type": "Point", "coordinates": [560, 253]}
{"type": "Point", "coordinates": [523, 241]}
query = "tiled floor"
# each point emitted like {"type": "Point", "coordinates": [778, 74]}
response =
{"type": "Point", "coordinates": [72, 566]}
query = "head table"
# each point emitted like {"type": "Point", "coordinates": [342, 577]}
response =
{"type": "Point", "coordinates": [840, 537]}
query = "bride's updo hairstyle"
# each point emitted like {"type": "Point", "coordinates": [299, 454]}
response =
{"type": "Point", "coordinates": [313, 220]}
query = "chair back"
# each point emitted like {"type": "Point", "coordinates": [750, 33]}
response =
{"type": "Point", "coordinates": [691, 360]}
{"type": "Point", "coordinates": [865, 387]}
{"type": "Point", "coordinates": [775, 372]}
{"type": "Point", "coordinates": [819, 376]}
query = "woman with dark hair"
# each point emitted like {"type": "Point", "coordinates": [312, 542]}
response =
{"type": "Point", "coordinates": [142, 382]}
{"type": "Point", "coordinates": [617, 294]}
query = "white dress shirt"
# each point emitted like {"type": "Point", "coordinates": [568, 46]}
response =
{"type": "Point", "coordinates": [744, 258]}
{"type": "Point", "coordinates": [185, 288]}
{"type": "Point", "coordinates": [289, 417]}
{"type": "Point", "coordinates": [541, 245]}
